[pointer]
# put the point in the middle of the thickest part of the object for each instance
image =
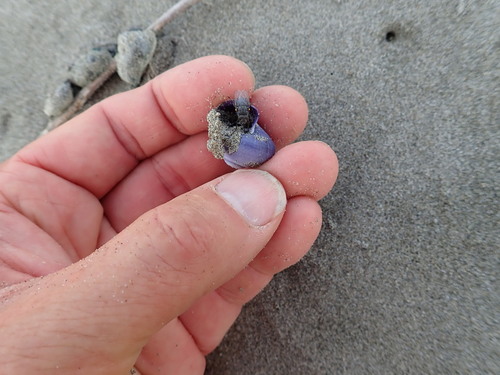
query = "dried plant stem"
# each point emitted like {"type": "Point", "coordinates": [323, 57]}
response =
{"type": "Point", "coordinates": [170, 14]}
{"type": "Point", "coordinates": [86, 92]}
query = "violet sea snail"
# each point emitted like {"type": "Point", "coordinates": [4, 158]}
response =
{"type": "Point", "coordinates": [235, 136]}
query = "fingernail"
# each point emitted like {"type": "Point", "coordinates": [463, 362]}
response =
{"type": "Point", "coordinates": [256, 195]}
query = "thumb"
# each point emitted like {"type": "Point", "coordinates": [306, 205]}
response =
{"type": "Point", "coordinates": [153, 270]}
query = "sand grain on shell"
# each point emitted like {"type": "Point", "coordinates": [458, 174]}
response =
{"type": "Point", "coordinates": [221, 138]}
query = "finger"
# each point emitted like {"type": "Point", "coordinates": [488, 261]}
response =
{"type": "Point", "coordinates": [98, 148]}
{"type": "Point", "coordinates": [188, 164]}
{"type": "Point", "coordinates": [299, 229]}
{"type": "Point", "coordinates": [39, 230]}
{"type": "Point", "coordinates": [171, 351]}
{"type": "Point", "coordinates": [151, 272]}
{"type": "Point", "coordinates": [283, 113]}
{"type": "Point", "coordinates": [209, 318]}
{"type": "Point", "coordinates": [308, 168]}
{"type": "Point", "coordinates": [172, 172]}
{"type": "Point", "coordinates": [163, 177]}
{"type": "Point", "coordinates": [306, 181]}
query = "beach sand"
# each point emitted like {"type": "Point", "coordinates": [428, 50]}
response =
{"type": "Point", "coordinates": [402, 278]}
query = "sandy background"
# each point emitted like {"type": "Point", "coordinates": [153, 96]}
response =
{"type": "Point", "coordinates": [403, 278]}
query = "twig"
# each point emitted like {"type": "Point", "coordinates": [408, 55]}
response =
{"type": "Point", "coordinates": [86, 92]}
{"type": "Point", "coordinates": [170, 14]}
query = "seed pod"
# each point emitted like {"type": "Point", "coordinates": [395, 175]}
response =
{"type": "Point", "coordinates": [87, 68]}
{"type": "Point", "coordinates": [135, 50]}
{"type": "Point", "coordinates": [60, 99]}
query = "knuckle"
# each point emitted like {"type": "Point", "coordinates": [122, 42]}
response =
{"type": "Point", "coordinates": [189, 241]}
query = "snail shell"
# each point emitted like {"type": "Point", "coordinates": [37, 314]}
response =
{"type": "Point", "coordinates": [235, 136]}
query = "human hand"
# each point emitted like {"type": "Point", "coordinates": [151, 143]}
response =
{"type": "Point", "coordinates": [180, 249]}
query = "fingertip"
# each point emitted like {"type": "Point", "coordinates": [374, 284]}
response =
{"type": "Point", "coordinates": [331, 165]}
{"type": "Point", "coordinates": [307, 168]}
{"type": "Point", "coordinates": [256, 195]}
{"type": "Point", "coordinates": [281, 107]}
{"type": "Point", "coordinates": [187, 92]}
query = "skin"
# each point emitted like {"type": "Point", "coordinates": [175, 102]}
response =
{"type": "Point", "coordinates": [116, 250]}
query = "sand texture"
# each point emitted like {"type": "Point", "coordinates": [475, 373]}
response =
{"type": "Point", "coordinates": [403, 278]}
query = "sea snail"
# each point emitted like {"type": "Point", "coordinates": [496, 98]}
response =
{"type": "Point", "coordinates": [235, 136]}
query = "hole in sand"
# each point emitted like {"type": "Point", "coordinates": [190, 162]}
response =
{"type": "Point", "coordinates": [390, 36]}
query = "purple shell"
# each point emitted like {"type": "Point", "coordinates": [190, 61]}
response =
{"type": "Point", "coordinates": [235, 136]}
{"type": "Point", "coordinates": [256, 147]}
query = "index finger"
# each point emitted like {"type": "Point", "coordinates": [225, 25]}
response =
{"type": "Point", "coordinates": [96, 149]}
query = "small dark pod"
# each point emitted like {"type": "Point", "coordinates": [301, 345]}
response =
{"type": "Point", "coordinates": [235, 136]}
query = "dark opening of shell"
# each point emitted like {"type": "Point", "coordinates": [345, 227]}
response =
{"type": "Point", "coordinates": [231, 116]}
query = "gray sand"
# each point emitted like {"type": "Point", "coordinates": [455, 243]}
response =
{"type": "Point", "coordinates": [403, 278]}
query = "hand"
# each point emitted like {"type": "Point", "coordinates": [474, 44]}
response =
{"type": "Point", "coordinates": [181, 244]}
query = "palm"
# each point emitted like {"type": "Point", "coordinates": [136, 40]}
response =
{"type": "Point", "coordinates": [46, 222]}
{"type": "Point", "coordinates": [50, 223]}
{"type": "Point", "coordinates": [67, 194]}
